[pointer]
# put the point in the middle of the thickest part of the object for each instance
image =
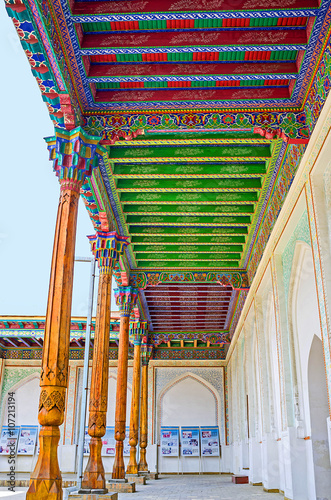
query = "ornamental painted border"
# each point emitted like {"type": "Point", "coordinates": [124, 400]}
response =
{"type": "Point", "coordinates": [237, 279]}
{"type": "Point", "coordinates": [66, 26]}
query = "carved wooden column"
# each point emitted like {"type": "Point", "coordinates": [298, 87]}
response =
{"type": "Point", "coordinates": [138, 330]}
{"type": "Point", "coordinates": [107, 247]}
{"type": "Point", "coordinates": [146, 354]}
{"type": "Point", "coordinates": [125, 298]}
{"type": "Point", "coordinates": [72, 153]}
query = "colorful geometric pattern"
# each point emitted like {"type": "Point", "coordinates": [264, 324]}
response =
{"type": "Point", "coordinates": [204, 112]}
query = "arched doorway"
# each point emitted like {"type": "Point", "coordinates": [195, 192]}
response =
{"type": "Point", "coordinates": [188, 400]}
{"type": "Point", "coordinates": [319, 411]}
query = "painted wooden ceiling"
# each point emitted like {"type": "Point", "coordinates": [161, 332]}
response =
{"type": "Point", "coordinates": [192, 200]}
{"type": "Point", "coordinates": [177, 53]}
{"type": "Point", "coordinates": [210, 97]}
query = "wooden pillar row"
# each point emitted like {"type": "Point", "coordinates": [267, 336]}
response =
{"type": "Point", "coordinates": [106, 247]}
{"type": "Point", "coordinates": [138, 329]}
{"type": "Point", "coordinates": [125, 298]}
{"type": "Point", "coordinates": [72, 153]}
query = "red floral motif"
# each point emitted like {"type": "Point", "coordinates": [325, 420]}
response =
{"type": "Point", "coordinates": [190, 120]}
{"type": "Point", "coordinates": [117, 121]}
{"type": "Point", "coordinates": [265, 119]}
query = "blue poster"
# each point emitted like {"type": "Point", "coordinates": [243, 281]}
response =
{"type": "Point", "coordinates": [108, 442]}
{"type": "Point", "coordinates": [27, 440]}
{"type": "Point", "coordinates": [170, 441]}
{"type": "Point", "coordinates": [190, 437]}
{"type": "Point", "coordinates": [210, 441]}
{"type": "Point", "coordinates": [9, 440]}
{"type": "Point", "coordinates": [87, 439]}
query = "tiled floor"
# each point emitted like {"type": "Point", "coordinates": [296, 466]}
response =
{"type": "Point", "coordinates": [184, 488]}
{"type": "Point", "coordinates": [195, 487]}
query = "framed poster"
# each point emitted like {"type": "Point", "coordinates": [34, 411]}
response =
{"type": "Point", "coordinates": [108, 442]}
{"type": "Point", "coordinates": [27, 440]}
{"type": "Point", "coordinates": [126, 444]}
{"type": "Point", "coordinates": [87, 439]}
{"type": "Point", "coordinates": [8, 440]}
{"type": "Point", "coordinates": [170, 441]}
{"type": "Point", "coordinates": [210, 442]}
{"type": "Point", "coordinates": [190, 438]}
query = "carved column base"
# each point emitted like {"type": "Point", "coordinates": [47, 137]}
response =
{"type": "Point", "coordinates": [143, 466]}
{"type": "Point", "coordinates": [118, 468]}
{"type": "Point", "coordinates": [46, 480]}
{"type": "Point", "coordinates": [94, 475]}
{"type": "Point", "coordinates": [132, 467]}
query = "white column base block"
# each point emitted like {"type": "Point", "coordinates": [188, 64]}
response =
{"type": "Point", "coordinates": [68, 457]}
{"type": "Point", "coordinates": [226, 459]}
{"type": "Point", "coordinates": [294, 463]}
{"type": "Point", "coordinates": [255, 461]}
{"type": "Point", "coordinates": [270, 463]}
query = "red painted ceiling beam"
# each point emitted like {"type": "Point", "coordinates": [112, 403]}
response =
{"type": "Point", "coordinates": [135, 6]}
{"type": "Point", "coordinates": [187, 38]}
{"type": "Point", "coordinates": [215, 68]}
{"type": "Point", "coordinates": [187, 94]}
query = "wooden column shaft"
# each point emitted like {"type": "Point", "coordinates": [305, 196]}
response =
{"type": "Point", "coordinates": [46, 481]}
{"type": "Point", "coordinates": [94, 476]}
{"type": "Point", "coordinates": [121, 392]}
{"type": "Point", "coordinates": [134, 414]}
{"type": "Point", "coordinates": [143, 467]}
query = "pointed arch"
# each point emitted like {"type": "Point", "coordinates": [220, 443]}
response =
{"type": "Point", "coordinates": [175, 381]}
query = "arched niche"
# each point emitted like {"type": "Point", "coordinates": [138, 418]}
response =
{"type": "Point", "coordinates": [319, 412]}
{"type": "Point", "coordinates": [112, 382]}
{"type": "Point", "coordinates": [304, 323]}
{"type": "Point", "coordinates": [188, 400]}
{"type": "Point", "coordinates": [27, 393]}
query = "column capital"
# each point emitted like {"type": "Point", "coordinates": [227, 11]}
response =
{"type": "Point", "coordinates": [107, 248]}
{"type": "Point", "coordinates": [73, 153]}
{"type": "Point", "coordinates": [146, 353]}
{"type": "Point", "coordinates": [126, 297]}
{"type": "Point", "coordinates": [138, 329]}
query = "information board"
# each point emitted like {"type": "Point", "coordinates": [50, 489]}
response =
{"type": "Point", "coordinates": [8, 440]}
{"type": "Point", "coordinates": [126, 444]}
{"type": "Point", "coordinates": [210, 442]}
{"type": "Point", "coordinates": [27, 440]}
{"type": "Point", "coordinates": [87, 439]}
{"type": "Point", "coordinates": [108, 442]}
{"type": "Point", "coordinates": [170, 441]}
{"type": "Point", "coordinates": [190, 440]}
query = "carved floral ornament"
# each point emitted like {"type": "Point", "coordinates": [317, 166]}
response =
{"type": "Point", "coordinates": [238, 280]}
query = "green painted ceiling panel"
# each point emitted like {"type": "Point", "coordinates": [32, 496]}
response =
{"type": "Point", "coordinates": [188, 248]}
{"type": "Point", "coordinates": [191, 151]}
{"type": "Point", "coordinates": [212, 209]}
{"type": "Point", "coordinates": [179, 185]}
{"type": "Point", "coordinates": [199, 240]}
{"type": "Point", "coordinates": [192, 169]}
{"type": "Point", "coordinates": [187, 256]}
{"type": "Point", "coordinates": [188, 219]}
{"type": "Point", "coordinates": [211, 264]}
{"type": "Point", "coordinates": [190, 231]}
{"type": "Point", "coordinates": [201, 198]}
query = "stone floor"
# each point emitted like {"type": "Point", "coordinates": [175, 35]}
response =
{"type": "Point", "coordinates": [186, 487]}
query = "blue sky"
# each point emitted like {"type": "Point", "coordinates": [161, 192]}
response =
{"type": "Point", "coordinates": [29, 191]}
